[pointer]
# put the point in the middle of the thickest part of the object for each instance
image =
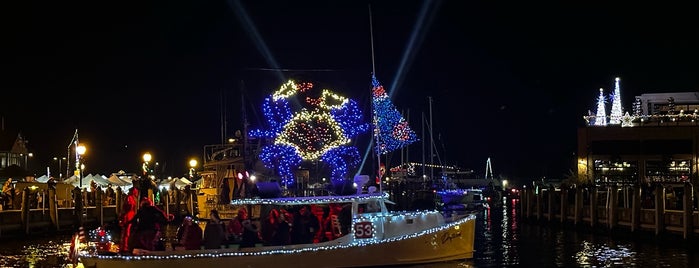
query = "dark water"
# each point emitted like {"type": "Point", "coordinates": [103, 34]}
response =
{"type": "Point", "coordinates": [502, 240]}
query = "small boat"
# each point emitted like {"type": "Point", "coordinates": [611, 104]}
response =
{"type": "Point", "coordinates": [375, 237]}
{"type": "Point", "coordinates": [462, 199]}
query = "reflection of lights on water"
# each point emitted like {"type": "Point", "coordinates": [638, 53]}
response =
{"type": "Point", "coordinates": [49, 254]}
{"type": "Point", "coordinates": [592, 254]}
{"type": "Point", "coordinates": [505, 226]}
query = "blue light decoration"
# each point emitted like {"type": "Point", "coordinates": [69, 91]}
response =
{"type": "Point", "coordinates": [320, 128]}
{"type": "Point", "coordinates": [392, 130]}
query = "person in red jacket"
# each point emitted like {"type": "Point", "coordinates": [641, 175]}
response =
{"type": "Point", "coordinates": [189, 234]}
{"type": "Point", "coordinates": [125, 219]}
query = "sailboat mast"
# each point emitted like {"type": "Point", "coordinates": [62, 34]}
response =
{"type": "Point", "coordinates": [431, 142]}
{"type": "Point", "coordinates": [246, 159]}
{"type": "Point", "coordinates": [375, 116]}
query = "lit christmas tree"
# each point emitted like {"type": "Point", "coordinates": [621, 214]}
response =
{"type": "Point", "coordinates": [601, 117]}
{"type": "Point", "coordinates": [392, 130]}
{"type": "Point", "coordinates": [616, 113]}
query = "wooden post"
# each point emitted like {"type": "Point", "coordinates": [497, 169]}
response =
{"type": "Point", "coordinates": [613, 206]}
{"type": "Point", "coordinates": [99, 206]}
{"type": "Point", "coordinates": [636, 208]}
{"type": "Point", "coordinates": [53, 208]}
{"type": "Point", "coordinates": [551, 192]}
{"type": "Point", "coordinates": [78, 209]}
{"type": "Point", "coordinates": [578, 205]}
{"type": "Point", "coordinates": [25, 210]}
{"type": "Point", "coordinates": [593, 205]}
{"type": "Point", "coordinates": [659, 209]}
{"type": "Point", "coordinates": [119, 201]}
{"type": "Point", "coordinates": [539, 208]}
{"type": "Point", "coordinates": [564, 204]}
{"type": "Point", "coordinates": [688, 209]}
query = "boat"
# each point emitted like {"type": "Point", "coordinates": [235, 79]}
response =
{"type": "Point", "coordinates": [363, 232]}
{"type": "Point", "coordinates": [462, 199]}
{"type": "Point", "coordinates": [377, 238]}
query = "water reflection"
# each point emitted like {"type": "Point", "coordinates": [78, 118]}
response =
{"type": "Point", "coordinates": [502, 240]}
{"type": "Point", "coordinates": [34, 252]}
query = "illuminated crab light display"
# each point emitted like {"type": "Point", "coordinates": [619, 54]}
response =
{"type": "Point", "coordinates": [319, 130]}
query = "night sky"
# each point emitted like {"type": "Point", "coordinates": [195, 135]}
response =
{"type": "Point", "coordinates": [510, 82]}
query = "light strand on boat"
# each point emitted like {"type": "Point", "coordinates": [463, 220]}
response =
{"type": "Point", "coordinates": [355, 243]}
{"type": "Point", "coordinates": [310, 200]}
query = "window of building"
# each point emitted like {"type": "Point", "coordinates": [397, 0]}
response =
{"type": "Point", "coordinates": [668, 170]}
{"type": "Point", "coordinates": [615, 172]}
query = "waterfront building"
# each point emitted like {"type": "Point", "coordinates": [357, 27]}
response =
{"type": "Point", "coordinates": [13, 154]}
{"type": "Point", "coordinates": [657, 143]}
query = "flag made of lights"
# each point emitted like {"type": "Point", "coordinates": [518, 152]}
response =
{"type": "Point", "coordinates": [392, 130]}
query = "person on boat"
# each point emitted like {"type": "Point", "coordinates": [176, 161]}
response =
{"type": "Point", "coordinates": [269, 226]}
{"type": "Point", "coordinates": [148, 223]}
{"type": "Point", "coordinates": [214, 232]}
{"type": "Point", "coordinates": [251, 232]}
{"type": "Point", "coordinates": [281, 235]}
{"type": "Point", "coordinates": [128, 211]}
{"type": "Point", "coordinates": [189, 234]}
{"type": "Point", "coordinates": [331, 226]}
{"type": "Point", "coordinates": [235, 226]}
{"type": "Point", "coordinates": [305, 226]}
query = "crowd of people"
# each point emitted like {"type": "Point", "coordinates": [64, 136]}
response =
{"type": "Point", "coordinates": [143, 227]}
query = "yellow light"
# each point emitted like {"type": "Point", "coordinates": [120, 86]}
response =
{"type": "Point", "coordinates": [147, 157]}
{"type": "Point", "coordinates": [193, 163]}
{"type": "Point", "coordinates": [81, 149]}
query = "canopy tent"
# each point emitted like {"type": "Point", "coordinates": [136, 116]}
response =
{"type": "Point", "coordinates": [43, 179]}
{"type": "Point", "coordinates": [116, 181]}
{"type": "Point", "coordinates": [179, 182]}
{"type": "Point", "coordinates": [75, 181]}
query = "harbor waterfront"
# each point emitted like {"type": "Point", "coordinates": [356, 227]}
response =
{"type": "Point", "coordinates": [503, 239]}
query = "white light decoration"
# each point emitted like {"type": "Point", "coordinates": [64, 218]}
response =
{"type": "Point", "coordinates": [616, 113]}
{"type": "Point", "coordinates": [601, 117]}
{"type": "Point", "coordinates": [374, 218]}
{"type": "Point", "coordinates": [627, 120]}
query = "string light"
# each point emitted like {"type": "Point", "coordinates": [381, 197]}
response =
{"type": "Point", "coordinates": [392, 130]}
{"type": "Point", "coordinates": [392, 223]}
{"type": "Point", "coordinates": [322, 129]}
{"type": "Point", "coordinates": [616, 113]}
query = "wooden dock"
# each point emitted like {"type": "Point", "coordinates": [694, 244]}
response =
{"type": "Point", "coordinates": [613, 207]}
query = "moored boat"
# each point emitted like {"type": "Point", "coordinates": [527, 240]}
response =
{"type": "Point", "coordinates": [374, 238]}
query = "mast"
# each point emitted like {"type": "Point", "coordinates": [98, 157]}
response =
{"type": "Point", "coordinates": [423, 148]}
{"type": "Point", "coordinates": [431, 142]}
{"type": "Point", "coordinates": [223, 118]}
{"type": "Point", "coordinates": [375, 118]}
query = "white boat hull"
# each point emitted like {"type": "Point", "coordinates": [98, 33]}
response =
{"type": "Point", "coordinates": [452, 242]}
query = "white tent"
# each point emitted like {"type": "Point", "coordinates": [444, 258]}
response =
{"type": "Point", "coordinates": [114, 180]}
{"type": "Point", "coordinates": [179, 182]}
{"type": "Point", "coordinates": [43, 179]}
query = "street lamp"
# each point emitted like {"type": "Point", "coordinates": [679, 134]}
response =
{"type": "Point", "coordinates": [146, 158]}
{"type": "Point", "coordinates": [80, 151]}
{"type": "Point", "coordinates": [59, 159]}
{"type": "Point", "coordinates": [192, 165]}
